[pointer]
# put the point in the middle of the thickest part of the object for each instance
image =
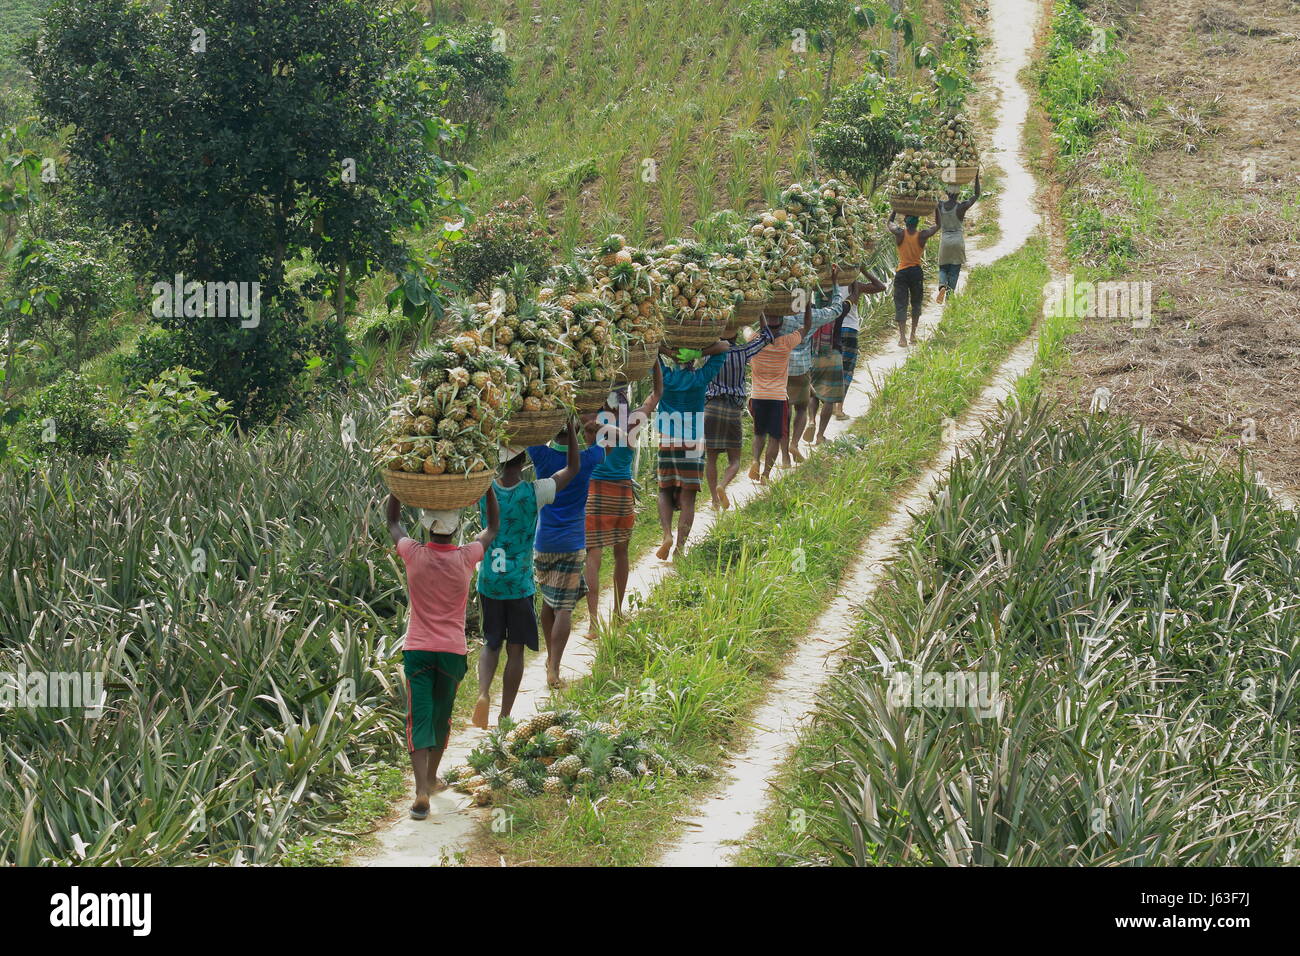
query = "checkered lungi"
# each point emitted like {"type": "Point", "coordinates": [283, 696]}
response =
{"type": "Point", "coordinates": [828, 376]}
{"type": "Point", "coordinates": [849, 348]}
{"type": "Point", "coordinates": [559, 576]}
{"type": "Point", "coordinates": [722, 424]}
{"type": "Point", "coordinates": [611, 512]}
{"type": "Point", "coordinates": [681, 466]}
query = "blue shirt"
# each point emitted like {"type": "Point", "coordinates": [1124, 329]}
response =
{"type": "Point", "coordinates": [617, 465]}
{"type": "Point", "coordinates": [562, 525]}
{"type": "Point", "coordinates": [681, 409]}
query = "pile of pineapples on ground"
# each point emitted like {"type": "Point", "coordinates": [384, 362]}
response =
{"type": "Point", "coordinates": [449, 416]}
{"type": "Point", "coordinates": [555, 752]}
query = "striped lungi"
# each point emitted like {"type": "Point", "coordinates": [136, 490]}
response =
{"type": "Point", "coordinates": [723, 419]}
{"type": "Point", "coordinates": [559, 577]}
{"type": "Point", "coordinates": [828, 376]}
{"type": "Point", "coordinates": [681, 466]}
{"type": "Point", "coordinates": [849, 349]}
{"type": "Point", "coordinates": [611, 512]}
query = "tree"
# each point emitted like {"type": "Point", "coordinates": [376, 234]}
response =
{"type": "Point", "coordinates": [823, 24]}
{"type": "Point", "coordinates": [863, 128]}
{"type": "Point", "coordinates": [226, 138]}
{"type": "Point", "coordinates": [477, 73]}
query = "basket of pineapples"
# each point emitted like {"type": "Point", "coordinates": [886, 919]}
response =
{"type": "Point", "coordinates": [740, 275]}
{"type": "Point", "coordinates": [534, 335]}
{"type": "Point", "coordinates": [913, 182]}
{"type": "Point", "coordinates": [628, 279]}
{"type": "Point", "coordinates": [556, 752]}
{"type": "Point", "coordinates": [954, 142]}
{"type": "Point", "coordinates": [807, 206]}
{"type": "Point", "coordinates": [785, 258]}
{"type": "Point", "coordinates": [439, 441]}
{"type": "Point", "coordinates": [854, 224]}
{"type": "Point", "coordinates": [695, 307]}
{"type": "Point", "coordinates": [600, 349]}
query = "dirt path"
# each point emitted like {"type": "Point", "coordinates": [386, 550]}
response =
{"type": "Point", "coordinates": [733, 811]}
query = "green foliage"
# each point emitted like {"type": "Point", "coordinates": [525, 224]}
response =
{"type": "Point", "coordinates": [1073, 77]}
{"type": "Point", "coordinates": [1147, 659]}
{"type": "Point", "coordinates": [477, 75]}
{"type": "Point", "coordinates": [862, 128]}
{"type": "Point", "coordinates": [280, 131]}
{"type": "Point", "coordinates": [506, 238]}
{"type": "Point", "coordinates": [174, 405]}
{"type": "Point", "coordinates": [242, 602]}
{"type": "Point", "coordinates": [73, 417]}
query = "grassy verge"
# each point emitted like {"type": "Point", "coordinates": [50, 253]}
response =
{"type": "Point", "coordinates": [694, 662]}
{"type": "Point", "coordinates": [1145, 656]}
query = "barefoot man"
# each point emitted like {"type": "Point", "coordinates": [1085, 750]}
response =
{"type": "Point", "coordinates": [724, 411]}
{"type": "Point", "coordinates": [611, 500]}
{"type": "Point", "coordinates": [438, 575]}
{"type": "Point", "coordinates": [507, 594]}
{"type": "Point", "coordinates": [680, 421]}
{"type": "Point", "coordinates": [770, 406]}
{"type": "Point", "coordinates": [561, 544]}
{"type": "Point", "coordinates": [909, 280]}
{"type": "Point", "coordinates": [799, 388]}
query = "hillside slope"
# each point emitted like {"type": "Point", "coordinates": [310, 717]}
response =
{"type": "Point", "coordinates": [18, 18]}
{"type": "Point", "coordinates": [611, 93]}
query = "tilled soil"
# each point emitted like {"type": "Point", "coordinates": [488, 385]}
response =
{"type": "Point", "coordinates": [1215, 88]}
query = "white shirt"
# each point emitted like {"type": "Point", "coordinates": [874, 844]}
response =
{"type": "Point", "coordinates": [851, 321]}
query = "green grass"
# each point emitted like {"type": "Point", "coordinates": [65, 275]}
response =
{"type": "Point", "coordinates": [1148, 664]}
{"type": "Point", "coordinates": [694, 662]}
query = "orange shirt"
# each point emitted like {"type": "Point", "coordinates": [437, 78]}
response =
{"type": "Point", "coordinates": [771, 367]}
{"type": "Point", "coordinates": [909, 249]}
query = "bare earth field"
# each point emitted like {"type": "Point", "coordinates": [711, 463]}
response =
{"type": "Point", "coordinates": [1208, 114]}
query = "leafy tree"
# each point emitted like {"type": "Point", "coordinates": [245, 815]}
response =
{"type": "Point", "coordinates": [73, 416]}
{"type": "Point", "coordinates": [476, 72]}
{"type": "Point", "coordinates": [226, 138]}
{"type": "Point", "coordinates": [507, 236]}
{"type": "Point", "coordinates": [825, 25]}
{"type": "Point", "coordinates": [863, 128]}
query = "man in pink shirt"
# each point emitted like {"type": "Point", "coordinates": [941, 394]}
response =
{"type": "Point", "coordinates": [438, 576]}
{"type": "Point", "coordinates": [767, 403]}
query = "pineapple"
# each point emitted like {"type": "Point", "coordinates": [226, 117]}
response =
{"type": "Point", "coordinates": [620, 775]}
{"type": "Point", "coordinates": [553, 785]}
{"type": "Point", "coordinates": [569, 766]}
{"type": "Point", "coordinates": [482, 796]}
{"type": "Point", "coordinates": [518, 787]}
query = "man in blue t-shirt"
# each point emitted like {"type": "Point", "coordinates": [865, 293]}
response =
{"type": "Point", "coordinates": [561, 546]}
{"type": "Point", "coordinates": [680, 423]}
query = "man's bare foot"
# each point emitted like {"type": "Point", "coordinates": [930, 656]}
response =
{"type": "Point", "coordinates": [722, 496]}
{"type": "Point", "coordinates": [913, 340]}
{"type": "Point", "coordinates": [839, 414]}
{"type": "Point", "coordinates": [809, 433]}
{"type": "Point", "coordinates": [664, 548]}
{"type": "Point", "coordinates": [753, 472]}
{"type": "Point", "coordinates": [717, 502]}
{"type": "Point", "coordinates": [902, 341]}
{"type": "Point", "coordinates": [481, 708]}
{"type": "Point", "coordinates": [763, 478]}
{"type": "Point", "coordinates": [553, 678]}
{"type": "Point", "coordinates": [821, 439]}
{"type": "Point", "coordinates": [796, 455]}
{"type": "Point", "coordinates": [420, 808]}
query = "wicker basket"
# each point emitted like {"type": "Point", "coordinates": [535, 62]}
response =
{"type": "Point", "coordinates": [437, 492]}
{"type": "Point", "coordinates": [641, 358]}
{"type": "Point", "coordinates": [963, 175]}
{"type": "Point", "coordinates": [911, 205]}
{"type": "Point", "coordinates": [779, 303]}
{"type": "Point", "coordinates": [534, 428]}
{"type": "Point", "coordinates": [844, 277]}
{"type": "Point", "coordinates": [692, 336]}
{"type": "Point", "coordinates": [746, 313]}
{"type": "Point", "coordinates": [591, 396]}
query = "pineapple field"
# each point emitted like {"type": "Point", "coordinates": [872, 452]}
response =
{"type": "Point", "coordinates": [1025, 597]}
